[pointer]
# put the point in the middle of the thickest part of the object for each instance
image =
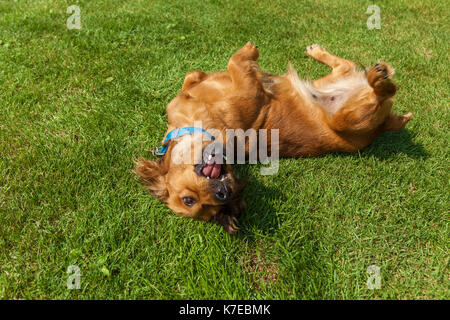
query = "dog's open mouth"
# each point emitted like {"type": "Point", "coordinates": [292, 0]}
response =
{"type": "Point", "coordinates": [211, 168]}
{"type": "Point", "coordinates": [212, 171]}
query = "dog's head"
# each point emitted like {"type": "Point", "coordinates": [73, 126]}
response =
{"type": "Point", "coordinates": [194, 181]}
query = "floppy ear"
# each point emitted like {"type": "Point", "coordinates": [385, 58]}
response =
{"type": "Point", "coordinates": [153, 175]}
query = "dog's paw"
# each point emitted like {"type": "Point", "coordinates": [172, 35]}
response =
{"type": "Point", "coordinates": [382, 70]}
{"type": "Point", "coordinates": [379, 78]}
{"type": "Point", "coordinates": [396, 122]}
{"type": "Point", "coordinates": [314, 50]}
{"type": "Point", "coordinates": [407, 117]}
{"type": "Point", "coordinates": [248, 52]}
{"type": "Point", "coordinates": [231, 224]}
{"type": "Point", "coordinates": [228, 222]}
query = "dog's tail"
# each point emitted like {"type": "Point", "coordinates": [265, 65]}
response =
{"type": "Point", "coordinates": [305, 88]}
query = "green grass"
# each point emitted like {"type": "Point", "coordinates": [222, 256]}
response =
{"type": "Point", "coordinates": [78, 106]}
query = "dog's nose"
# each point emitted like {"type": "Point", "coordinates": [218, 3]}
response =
{"type": "Point", "coordinates": [223, 192]}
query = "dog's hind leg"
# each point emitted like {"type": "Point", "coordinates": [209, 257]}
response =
{"type": "Point", "coordinates": [341, 67]}
{"type": "Point", "coordinates": [368, 111]}
{"type": "Point", "coordinates": [396, 122]}
{"type": "Point", "coordinates": [379, 78]}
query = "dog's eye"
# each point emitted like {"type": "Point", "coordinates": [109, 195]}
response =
{"type": "Point", "coordinates": [189, 201]}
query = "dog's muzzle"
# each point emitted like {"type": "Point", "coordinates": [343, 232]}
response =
{"type": "Point", "coordinates": [213, 162]}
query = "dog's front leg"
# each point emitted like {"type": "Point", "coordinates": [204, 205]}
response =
{"type": "Point", "coordinates": [192, 78]}
{"type": "Point", "coordinates": [243, 69]}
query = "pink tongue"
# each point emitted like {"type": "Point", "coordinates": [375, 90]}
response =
{"type": "Point", "coordinates": [207, 169]}
{"type": "Point", "coordinates": [215, 171]}
{"type": "Point", "coordinates": [212, 170]}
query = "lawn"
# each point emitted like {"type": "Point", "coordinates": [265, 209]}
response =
{"type": "Point", "coordinates": [78, 106]}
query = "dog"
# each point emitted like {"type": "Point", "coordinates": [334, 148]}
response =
{"type": "Point", "coordinates": [343, 111]}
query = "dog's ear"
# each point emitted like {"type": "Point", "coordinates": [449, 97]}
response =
{"type": "Point", "coordinates": [153, 174]}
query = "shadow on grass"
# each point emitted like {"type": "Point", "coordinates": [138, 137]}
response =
{"type": "Point", "coordinates": [395, 143]}
{"type": "Point", "coordinates": [260, 215]}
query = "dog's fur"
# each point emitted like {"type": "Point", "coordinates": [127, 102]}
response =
{"type": "Point", "coordinates": [343, 111]}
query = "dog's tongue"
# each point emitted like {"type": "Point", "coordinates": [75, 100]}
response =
{"type": "Point", "coordinates": [212, 170]}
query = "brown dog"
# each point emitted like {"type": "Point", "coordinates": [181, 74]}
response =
{"type": "Point", "coordinates": [343, 111]}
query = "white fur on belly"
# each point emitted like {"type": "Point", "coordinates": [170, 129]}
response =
{"type": "Point", "coordinates": [331, 96]}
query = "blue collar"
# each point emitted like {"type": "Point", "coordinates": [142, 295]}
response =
{"type": "Point", "coordinates": [179, 132]}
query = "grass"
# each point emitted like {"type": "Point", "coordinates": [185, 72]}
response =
{"type": "Point", "coordinates": [78, 106]}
